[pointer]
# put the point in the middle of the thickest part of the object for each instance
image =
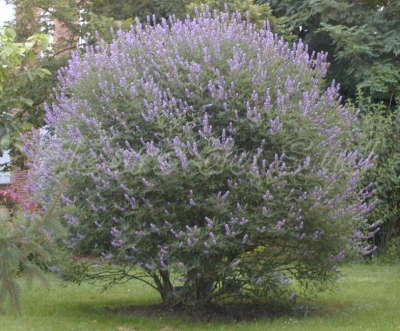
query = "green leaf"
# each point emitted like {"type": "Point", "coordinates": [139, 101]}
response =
{"type": "Point", "coordinates": [26, 101]}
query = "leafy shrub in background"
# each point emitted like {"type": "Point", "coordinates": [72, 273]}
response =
{"type": "Point", "coordinates": [381, 129]}
{"type": "Point", "coordinates": [361, 38]}
{"type": "Point", "coordinates": [18, 70]}
{"type": "Point", "coordinates": [205, 152]}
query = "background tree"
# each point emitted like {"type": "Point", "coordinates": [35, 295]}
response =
{"type": "Point", "coordinates": [205, 150]}
{"type": "Point", "coordinates": [361, 37]}
{"type": "Point", "coordinates": [18, 70]}
{"type": "Point", "coordinates": [129, 9]}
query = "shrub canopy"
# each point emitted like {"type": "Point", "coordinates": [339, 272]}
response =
{"type": "Point", "coordinates": [205, 151]}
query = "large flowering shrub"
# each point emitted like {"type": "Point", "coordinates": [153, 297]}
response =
{"type": "Point", "coordinates": [204, 150]}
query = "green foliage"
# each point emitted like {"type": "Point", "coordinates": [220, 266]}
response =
{"type": "Point", "coordinates": [23, 236]}
{"type": "Point", "coordinates": [129, 9]}
{"type": "Point", "coordinates": [362, 38]}
{"type": "Point", "coordinates": [390, 255]}
{"type": "Point", "coordinates": [382, 134]}
{"type": "Point", "coordinates": [35, 17]}
{"type": "Point", "coordinates": [18, 69]}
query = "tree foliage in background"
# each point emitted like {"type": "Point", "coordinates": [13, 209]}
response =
{"type": "Point", "coordinates": [382, 134]}
{"type": "Point", "coordinates": [362, 38]}
{"type": "Point", "coordinates": [18, 70]}
{"type": "Point", "coordinates": [255, 13]}
{"type": "Point", "coordinates": [205, 151]}
{"type": "Point", "coordinates": [130, 9]}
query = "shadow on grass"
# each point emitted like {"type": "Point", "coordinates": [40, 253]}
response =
{"type": "Point", "coordinates": [144, 304]}
{"type": "Point", "coordinates": [226, 313]}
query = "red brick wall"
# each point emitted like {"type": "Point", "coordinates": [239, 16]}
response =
{"type": "Point", "coordinates": [19, 179]}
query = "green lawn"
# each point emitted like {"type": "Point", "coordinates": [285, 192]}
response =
{"type": "Point", "coordinates": [369, 299]}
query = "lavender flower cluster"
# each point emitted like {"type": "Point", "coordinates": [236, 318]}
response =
{"type": "Point", "coordinates": [205, 148]}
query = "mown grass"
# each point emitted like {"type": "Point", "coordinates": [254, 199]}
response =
{"type": "Point", "coordinates": [368, 299]}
